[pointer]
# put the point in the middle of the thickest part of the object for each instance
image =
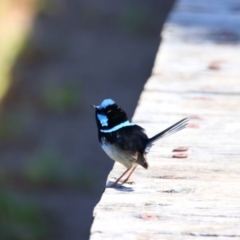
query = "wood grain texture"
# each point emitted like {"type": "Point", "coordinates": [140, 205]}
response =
{"type": "Point", "coordinates": [196, 74]}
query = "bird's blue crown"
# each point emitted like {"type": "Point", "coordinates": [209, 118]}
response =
{"type": "Point", "coordinates": [105, 103]}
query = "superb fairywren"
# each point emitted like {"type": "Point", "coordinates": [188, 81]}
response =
{"type": "Point", "coordinates": [123, 141]}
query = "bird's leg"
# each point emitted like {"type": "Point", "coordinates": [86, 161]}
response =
{"type": "Point", "coordinates": [129, 175]}
{"type": "Point", "coordinates": [115, 183]}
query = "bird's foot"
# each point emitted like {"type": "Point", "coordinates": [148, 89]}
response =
{"type": "Point", "coordinates": [128, 182]}
{"type": "Point", "coordinates": [125, 181]}
{"type": "Point", "coordinates": [120, 181]}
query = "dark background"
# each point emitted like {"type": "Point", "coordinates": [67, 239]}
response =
{"type": "Point", "coordinates": [79, 53]}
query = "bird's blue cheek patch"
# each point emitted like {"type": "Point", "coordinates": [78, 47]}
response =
{"type": "Point", "coordinates": [103, 119]}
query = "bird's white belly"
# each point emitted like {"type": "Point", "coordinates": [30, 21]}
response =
{"type": "Point", "coordinates": [117, 155]}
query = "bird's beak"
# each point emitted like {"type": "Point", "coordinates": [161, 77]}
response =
{"type": "Point", "coordinates": [93, 106]}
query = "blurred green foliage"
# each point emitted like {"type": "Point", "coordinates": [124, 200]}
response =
{"type": "Point", "coordinates": [32, 53]}
{"type": "Point", "coordinates": [61, 98]}
{"type": "Point", "coordinates": [20, 220]}
{"type": "Point", "coordinates": [50, 7]}
{"type": "Point", "coordinates": [136, 19]}
{"type": "Point", "coordinates": [49, 168]}
{"type": "Point", "coordinates": [45, 167]}
{"type": "Point", "coordinates": [11, 127]}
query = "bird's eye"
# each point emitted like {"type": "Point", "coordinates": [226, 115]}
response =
{"type": "Point", "coordinates": [109, 111]}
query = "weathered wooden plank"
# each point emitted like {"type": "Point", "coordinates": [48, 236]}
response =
{"type": "Point", "coordinates": [196, 74]}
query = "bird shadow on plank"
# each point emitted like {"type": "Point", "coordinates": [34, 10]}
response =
{"type": "Point", "coordinates": [119, 187]}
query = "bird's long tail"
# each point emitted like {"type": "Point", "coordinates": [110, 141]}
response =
{"type": "Point", "coordinates": [169, 131]}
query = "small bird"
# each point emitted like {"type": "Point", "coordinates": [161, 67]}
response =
{"type": "Point", "coordinates": [124, 141]}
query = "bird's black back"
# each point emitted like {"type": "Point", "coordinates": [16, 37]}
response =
{"type": "Point", "coordinates": [130, 138]}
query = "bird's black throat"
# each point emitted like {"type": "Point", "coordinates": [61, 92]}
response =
{"type": "Point", "coordinates": [114, 114]}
